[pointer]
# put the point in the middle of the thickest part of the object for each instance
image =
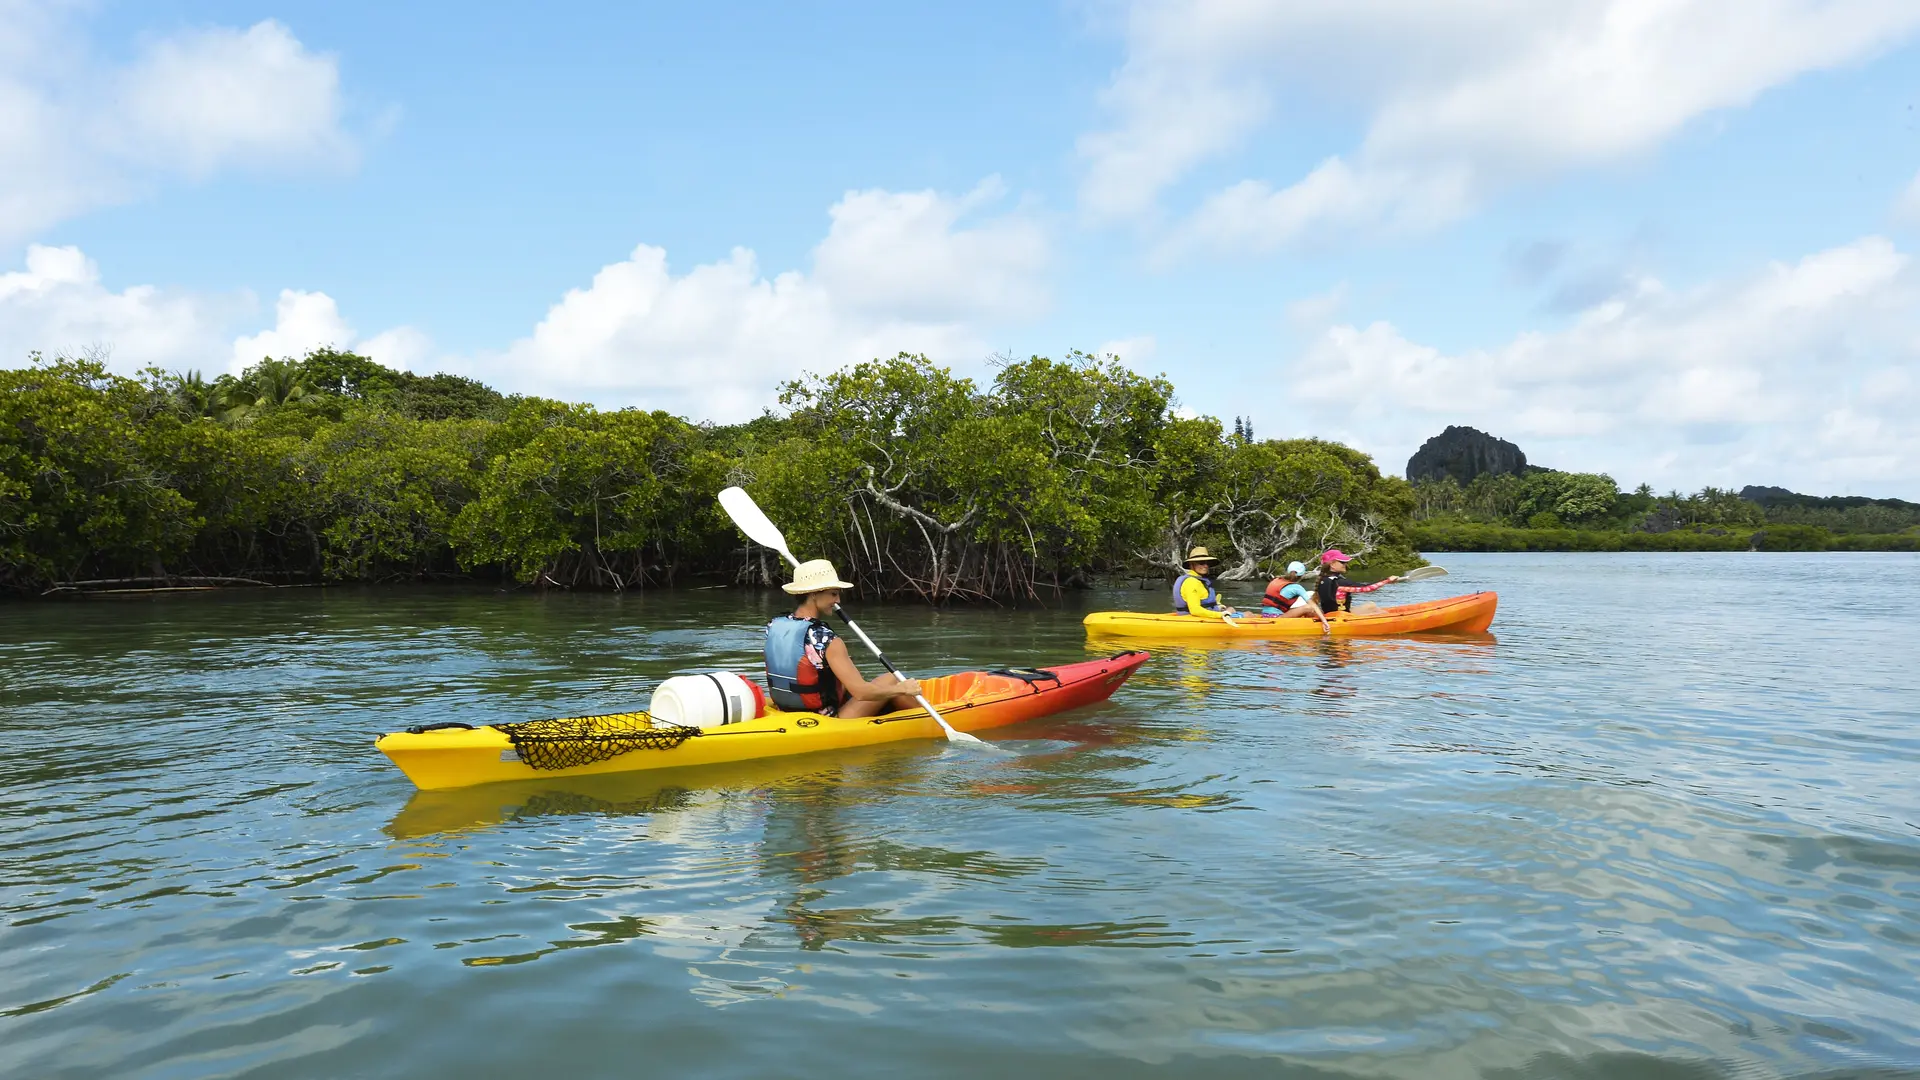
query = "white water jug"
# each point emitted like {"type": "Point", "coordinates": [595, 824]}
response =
{"type": "Point", "coordinates": [705, 701]}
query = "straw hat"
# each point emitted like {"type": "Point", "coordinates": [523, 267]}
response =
{"type": "Point", "coordinates": [813, 576]}
{"type": "Point", "coordinates": [1199, 554]}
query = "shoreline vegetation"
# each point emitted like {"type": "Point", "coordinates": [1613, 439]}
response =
{"type": "Point", "coordinates": [918, 484]}
{"type": "Point", "coordinates": [1545, 510]}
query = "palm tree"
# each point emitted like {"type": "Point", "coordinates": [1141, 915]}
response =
{"type": "Point", "coordinates": [266, 385]}
{"type": "Point", "coordinates": [195, 396]}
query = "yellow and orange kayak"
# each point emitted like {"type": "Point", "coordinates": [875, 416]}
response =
{"type": "Point", "coordinates": [451, 756]}
{"type": "Point", "coordinates": [1470, 614]}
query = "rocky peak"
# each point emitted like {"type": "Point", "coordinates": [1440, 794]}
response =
{"type": "Point", "coordinates": [1464, 453]}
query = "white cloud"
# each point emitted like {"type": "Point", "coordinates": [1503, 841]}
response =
{"type": "Point", "coordinates": [896, 272]}
{"type": "Point", "coordinates": [77, 133]}
{"type": "Point", "coordinates": [904, 255]}
{"type": "Point", "coordinates": [57, 305]}
{"type": "Point", "coordinates": [1805, 374]}
{"type": "Point", "coordinates": [1464, 97]}
{"type": "Point", "coordinates": [221, 96]}
{"type": "Point", "coordinates": [402, 348]}
{"type": "Point", "coordinates": [303, 322]}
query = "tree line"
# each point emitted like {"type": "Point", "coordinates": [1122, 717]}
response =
{"type": "Point", "coordinates": [1545, 509]}
{"type": "Point", "coordinates": [915, 481]}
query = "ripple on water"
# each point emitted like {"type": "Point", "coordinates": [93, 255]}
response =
{"type": "Point", "coordinates": [1575, 847]}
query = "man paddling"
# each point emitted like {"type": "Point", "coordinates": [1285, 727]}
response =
{"type": "Point", "coordinates": [1193, 591]}
{"type": "Point", "coordinates": [808, 668]}
{"type": "Point", "coordinates": [1335, 589]}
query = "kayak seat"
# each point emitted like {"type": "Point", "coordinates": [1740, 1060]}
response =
{"type": "Point", "coordinates": [1026, 675]}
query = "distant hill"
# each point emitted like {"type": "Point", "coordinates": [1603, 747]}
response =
{"type": "Point", "coordinates": [1464, 453]}
{"type": "Point", "coordinates": [1770, 497]}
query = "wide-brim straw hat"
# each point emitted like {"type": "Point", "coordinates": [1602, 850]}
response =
{"type": "Point", "coordinates": [813, 576]}
{"type": "Point", "coordinates": [1199, 554]}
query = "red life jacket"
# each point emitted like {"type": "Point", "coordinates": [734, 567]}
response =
{"type": "Point", "coordinates": [1284, 603]}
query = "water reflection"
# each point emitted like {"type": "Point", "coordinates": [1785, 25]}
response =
{"type": "Point", "coordinates": [1573, 853]}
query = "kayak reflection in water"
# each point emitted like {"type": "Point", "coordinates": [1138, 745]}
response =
{"type": "Point", "coordinates": [1286, 598]}
{"type": "Point", "coordinates": [808, 668]}
{"type": "Point", "coordinates": [1335, 589]}
{"type": "Point", "coordinates": [1193, 591]}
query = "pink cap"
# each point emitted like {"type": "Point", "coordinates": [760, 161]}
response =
{"type": "Point", "coordinates": [1333, 555]}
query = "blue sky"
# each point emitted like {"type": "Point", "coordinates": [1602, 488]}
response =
{"type": "Point", "coordinates": [1667, 240]}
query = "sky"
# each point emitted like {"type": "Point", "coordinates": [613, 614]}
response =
{"type": "Point", "coordinates": [1669, 240]}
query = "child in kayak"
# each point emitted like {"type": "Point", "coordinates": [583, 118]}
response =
{"type": "Point", "coordinates": [1193, 591]}
{"type": "Point", "coordinates": [808, 669]}
{"type": "Point", "coordinates": [1288, 599]}
{"type": "Point", "coordinates": [1335, 590]}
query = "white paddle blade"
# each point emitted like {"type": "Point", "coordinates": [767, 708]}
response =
{"type": "Point", "coordinates": [747, 516]}
{"type": "Point", "coordinates": [1422, 573]}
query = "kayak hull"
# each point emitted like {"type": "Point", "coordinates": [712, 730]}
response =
{"type": "Point", "coordinates": [971, 701]}
{"type": "Point", "coordinates": [1470, 614]}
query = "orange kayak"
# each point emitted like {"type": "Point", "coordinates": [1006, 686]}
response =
{"type": "Point", "coordinates": [1470, 614]}
{"type": "Point", "coordinates": [460, 756]}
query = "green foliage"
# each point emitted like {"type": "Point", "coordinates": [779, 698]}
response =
{"type": "Point", "coordinates": [1862, 516]}
{"type": "Point", "coordinates": [84, 473]}
{"type": "Point", "coordinates": [1460, 536]}
{"type": "Point", "coordinates": [1573, 498]}
{"type": "Point", "coordinates": [1446, 536]}
{"type": "Point", "coordinates": [1711, 506]}
{"type": "Point", "coordinates": [1488, 498]}
{"type": "Point", "coordinates": [915, 480]}
{"type": "Point", "coordinates": [1905, 541]}
{"type": "Point", "coordinates": [584, 488]}
{"type": "Point", "coordinates": [386, 490]}
{"type": "Point", "coordinates": [1793, 538]}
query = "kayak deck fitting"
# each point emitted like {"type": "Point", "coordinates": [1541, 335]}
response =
{"type": "Point", "coordinates": [455, 756]}
{"type": "Point", "coordinates": [1469, 614]}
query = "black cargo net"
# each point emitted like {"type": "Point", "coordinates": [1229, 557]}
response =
{"type": "Point", "coordinates": [582, 740]}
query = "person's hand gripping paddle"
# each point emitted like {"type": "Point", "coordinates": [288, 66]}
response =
{"type": "Point", "coordinates": [747, 516]}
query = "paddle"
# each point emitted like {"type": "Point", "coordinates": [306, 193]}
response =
{"type": "Point", "coordinates": [747, 516]}
{"type": "Point", "coordinates": [1417, 574]}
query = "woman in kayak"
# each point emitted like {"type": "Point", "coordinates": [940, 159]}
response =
{"type": "Point", "coordinates": [808, 669]}
{"type": "Point", "coordinates": [1193, 591]}
{"type": "Point", "coordinates": [1335, 589]}
{"type": "Point", "coordinates": [1288, 599]}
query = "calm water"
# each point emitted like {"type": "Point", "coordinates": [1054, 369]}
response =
{"type": "Point", "coordinates": [1605, 844]}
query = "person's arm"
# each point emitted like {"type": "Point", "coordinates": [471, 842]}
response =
{"type": "Point", "coordinates": [1345, 589]}
{"type": "Point", "coordinates": [841, 663]}
{"type": "Point", "coordinates": [1195, 594]}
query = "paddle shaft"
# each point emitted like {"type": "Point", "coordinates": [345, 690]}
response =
{"type": "Point", "coordinates": [888, 664]}
{"type": "Point", "coordinates": [760, 529]}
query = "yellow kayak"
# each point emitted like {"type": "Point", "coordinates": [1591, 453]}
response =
{"type": "Point", "coordinates": [1470, 614]}
{"type": "Point", "coordinates": [453, 755]}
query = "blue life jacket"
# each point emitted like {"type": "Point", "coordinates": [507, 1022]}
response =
{"type": "Point", "coordinates": [1211, 603]}
{"type": "Point", "coordinates": [795, 682]}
